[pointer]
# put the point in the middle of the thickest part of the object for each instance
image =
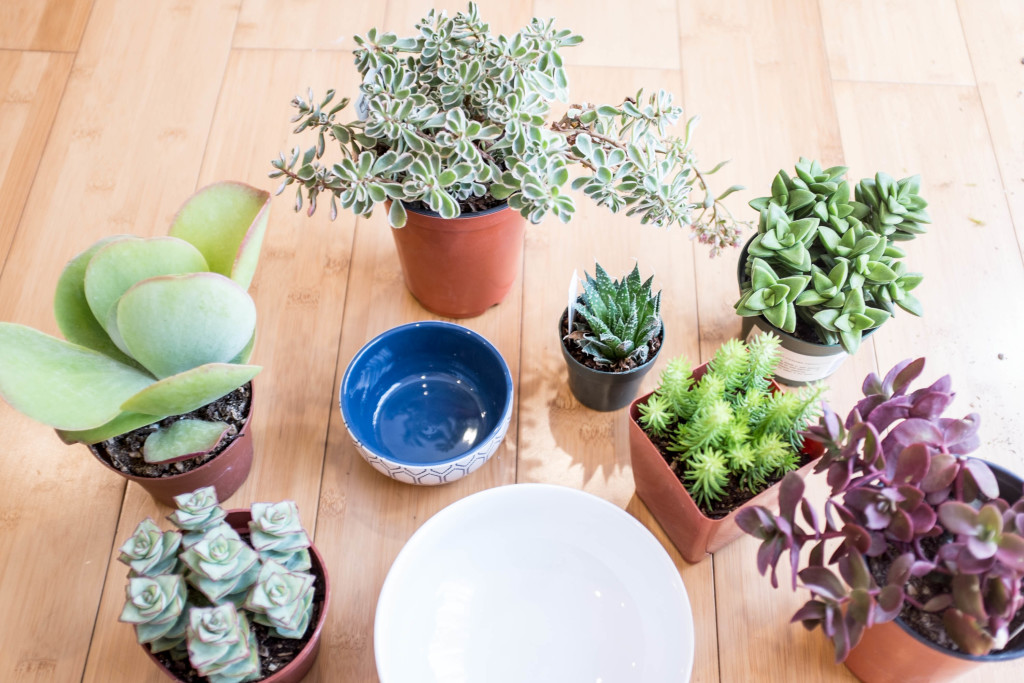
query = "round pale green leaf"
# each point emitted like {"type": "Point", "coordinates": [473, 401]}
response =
{"type": "Point", "coordinates": [175, 323]}
{"type": "Point", "coordinates": [183, 439]}
{"type": "Point", "coordinates": [62, 384]}
{"type": "Point", "coordinates": [226, 221]}
{"type": "Point", "coordinates": [74, 317]}
{"type": "Point", "coordinates": [121, 264]}
{"type": "Point", "coordinates": [189, 390]}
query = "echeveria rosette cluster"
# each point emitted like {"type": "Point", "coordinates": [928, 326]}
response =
{"type": "Point", "coordinates": [196, 513]}
{"type": "Point", "coordinates": [282, 599]}
{"type": "Point", "coordinates": [622, 317]}
{"type": "Point", "coordinates": [902, 488]}
{"type": "Point", "coordinates": [455, 114]}
{"type": "Point", "coordinates": [155, 327]}
{"type": "Point", "coordinates": [830, 261]}
{"type": "Point", "coordinates": [151, 551]}
{"type": "Point", "coordinates": [222, 566]}
{"type": "Point", "coordinates": [276, 533]}
{"type": "Point", "coordinates": [221, 646]}
{"type": "Point", "coordinates": [156, 607]}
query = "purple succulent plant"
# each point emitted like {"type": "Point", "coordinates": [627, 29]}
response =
{"type": "Point", "coordinates": [903, 488]}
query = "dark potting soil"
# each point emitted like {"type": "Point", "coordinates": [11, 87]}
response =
{"type": "Point", "coordinates": [274, 652]}
{"type": "Point", "coordinates": [735, 495]}
{"type": "Point", "coordinates": [625, 365]}
{"type": "Point", "coordinates": [922, 588]}
{"type": "Point", "coordinates": [125, 451]}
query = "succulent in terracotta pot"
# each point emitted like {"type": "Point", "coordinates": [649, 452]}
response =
{"type": "Point", "coordinates": [913, 527]}
{"type": "Point", "coordinates": [197, 597]}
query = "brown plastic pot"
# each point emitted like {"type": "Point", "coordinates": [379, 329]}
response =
{"type": "Point", "coordinates": [460, 267]}
{"type": "Point", "coordinates": [295, 670]}
{"type": "Point", "coordinates": [226, 472]}
{"type": "Point", "coordinates": [692, 532]}
{"type": "Point", "coordinates": [894, 653]}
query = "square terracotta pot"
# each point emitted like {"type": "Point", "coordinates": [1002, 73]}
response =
{"type": "Point", "coordinates": [692, 532]}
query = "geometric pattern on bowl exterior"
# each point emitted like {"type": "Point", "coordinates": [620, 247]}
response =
{"type": "Point", "coordinates": [443, 473]}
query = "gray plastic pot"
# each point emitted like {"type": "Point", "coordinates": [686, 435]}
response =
{"type": "Point", "coordinates": [599, 390]}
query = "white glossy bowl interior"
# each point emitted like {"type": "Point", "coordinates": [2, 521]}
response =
{"type": "Point", "coordinates": [533, 583]}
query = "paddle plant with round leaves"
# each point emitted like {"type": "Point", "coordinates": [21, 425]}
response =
{"type": "Point", "coordinates": [154, 327]}
{"type": "Point", "coordinates": [906, 504]}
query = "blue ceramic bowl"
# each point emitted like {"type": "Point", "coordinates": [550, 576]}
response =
{"type": "Point", "coordinates": [427, 402]}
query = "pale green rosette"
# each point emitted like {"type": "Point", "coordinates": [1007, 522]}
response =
{"type": "Point", "coordinates": [222, 567]}
{"type": "Point", "coordinates": [156, 606]}
{"type": "Point", "coordinates": [282, 600]}
{"type": "Point", "coordinates": [277, 533]}
{"type": "Point", "coordinates": [221, 646]}
{"type": "Point", "coordinates": [151, 551]}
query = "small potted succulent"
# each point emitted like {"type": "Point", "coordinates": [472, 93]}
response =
{"type": "Point", "coordinates": [611, 336]}
{"type": "Point", "coordinates": [713, 440]}
{"type": "Point", "coordinates": [154, 375]}
{"type": "Point", "coordinates": [453, 136]}
{"type": "Point", "coordinates": [825, 270]}
{"type": "Point", "coordinates": [233, 596]}
{"type": "Point", "coordinates": [928, 543]}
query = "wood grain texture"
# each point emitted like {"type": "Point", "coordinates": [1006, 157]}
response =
{"type": "Point", "coordinates": [992, 31]}
{"type": "Point", "coordinates": [31, 84]}
{"type": "Point", "coordinates": [151, 99]}
{"type": "Point", "coordinates": [50, 25]}
{"type": "Point", "coordinates": [962, 332]}
{"type": "Point", "coordinates": [896, 41]}
{"type": "Point", "coordinates": [305, 24]}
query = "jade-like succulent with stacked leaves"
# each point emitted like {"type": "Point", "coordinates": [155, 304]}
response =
{"type": "Point", "coordinates": [729, 430]}
{"type": "Point", "coordinates": [830, 261]}
{"type": "Point", "coordinates": [455, 115]}
{"type": "Point", "coordinates": [617, 319]}
{"type": "Point", "coordinates": [905, 503]}
{"type": "Point", "coordinates": [155, 327]}
{"type": "Point", "coordinates": [196, 594]}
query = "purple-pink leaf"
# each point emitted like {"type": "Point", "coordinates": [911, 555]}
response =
{"type": "Point", "coordinates": [810, 614]}
{"type": "Point", "coordinates": [885, 414]}
{"type": "Point", "coordinates": [841, 639]}
{"type": "Point", "coordinates": [905, 372]}
{"type": "Point", "coordinates": [1011, 551]}
{"type": "Point", "coordinates": [983, 477]}
{"type": "Point", "coordinates": [930, 405]}
{"type": "Point", "coordinates": [854, 571]}
{"type": "Point", "coordinates": [921, 568]}
{"type": "Point", "coordinates": [872, 385]}
{"type": "Point", "coordinates": [924, 519]}
{"type": "Point", "coordinates": [958, 518]}
{"type": "Point", "coordinates": [966, 633]}
{"type": "Point", "coordinates": [912, 464]}
{"type": "Point", "coordinates": [791, 491]}
{"type": "Point", "coordinates": [960, 434]}
{"type": "Point", "coordinates": [857, 537]}
{"type": "Point", "coordinates": [981, 548]}
{"type": "Point", "coordinates": [967, 595]}
{"type": "Point", "coordinates": [901, 528]}
{"type": "Point", "coordinates": [890, 602]}
{"type": "Point", "coordinates": [916, 430]}
{"type": "Point", "coordinates": [938, 603]}
{"type": "Point", "coordinates": [858, 614]}
{"type": "Point", "coordinates": [823, 582]}
{"type": "Point", "coordinates": [942, 471]}
{"type": "Point", "coordinates": [810, 515]}
{"type": "Point", "coordinates": [899, 570]}
{"type": "Point", "coordinates": [816, 558]}
{"type": "Point", "coordinates": [756, 521]}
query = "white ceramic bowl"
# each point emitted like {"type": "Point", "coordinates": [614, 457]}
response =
{"type": "Point", "coordinates": [533, 583]}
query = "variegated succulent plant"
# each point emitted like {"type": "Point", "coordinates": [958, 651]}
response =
{"type": "Point", "coordinates": [231, 584]}
{"type": "Point", "coordinates": [617, 319]}
{"type": "Point", "coordinates": [155, 327]}
{"type": "Point", "coordinates": [456, 114]}
{"type": "Point", "coordinates": [830, 261]}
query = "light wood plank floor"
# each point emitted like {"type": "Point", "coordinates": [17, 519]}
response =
{"type": "Point", "coordinates": [113, 111]}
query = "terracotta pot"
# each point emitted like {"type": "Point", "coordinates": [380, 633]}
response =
{"type": "Point", "coordinates": [692, 532]}
{"type": "Point", "coordinates": [893, 652]}
{"type": "Point", "coordinates": [600, 390]}
{"type": "Point", "coordinates": [460, 267]}
{"type": "Point", "coordinates": [801, 362]}
{"type": "Point", "coordinates": [295, 670]}
{"type": "Point", "coordinates": [226, 471]}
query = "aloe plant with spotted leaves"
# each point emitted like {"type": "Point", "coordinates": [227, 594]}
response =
{"type": "Point", "coordinates": [154, 327]}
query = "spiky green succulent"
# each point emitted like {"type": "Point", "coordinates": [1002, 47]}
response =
{"type": "Point", "coordinates": [456, 113]}
{"type": "Point", "coordinates": [829, 261]}
{"type": "Point", "coordinates": [729, 430]}
{"type": "Point", "coordinates": [231, 584]}
{"type": "Point", "coordinates": [155, 327]}
{"type": "Point", "coordinates": [618, 318]}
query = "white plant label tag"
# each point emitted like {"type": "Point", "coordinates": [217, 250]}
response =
{"type": "Point", "coordinates": [573, 294]}
{"type": "Point", "coordinates": [796, 367]}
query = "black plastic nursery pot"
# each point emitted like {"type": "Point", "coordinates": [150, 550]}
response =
{"type": "Point", "coordinates": [600, 390]}
{"type": "Point", "coordinates": [801, 362]}
{"type": "Point", "coordinates": [893, 652]}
